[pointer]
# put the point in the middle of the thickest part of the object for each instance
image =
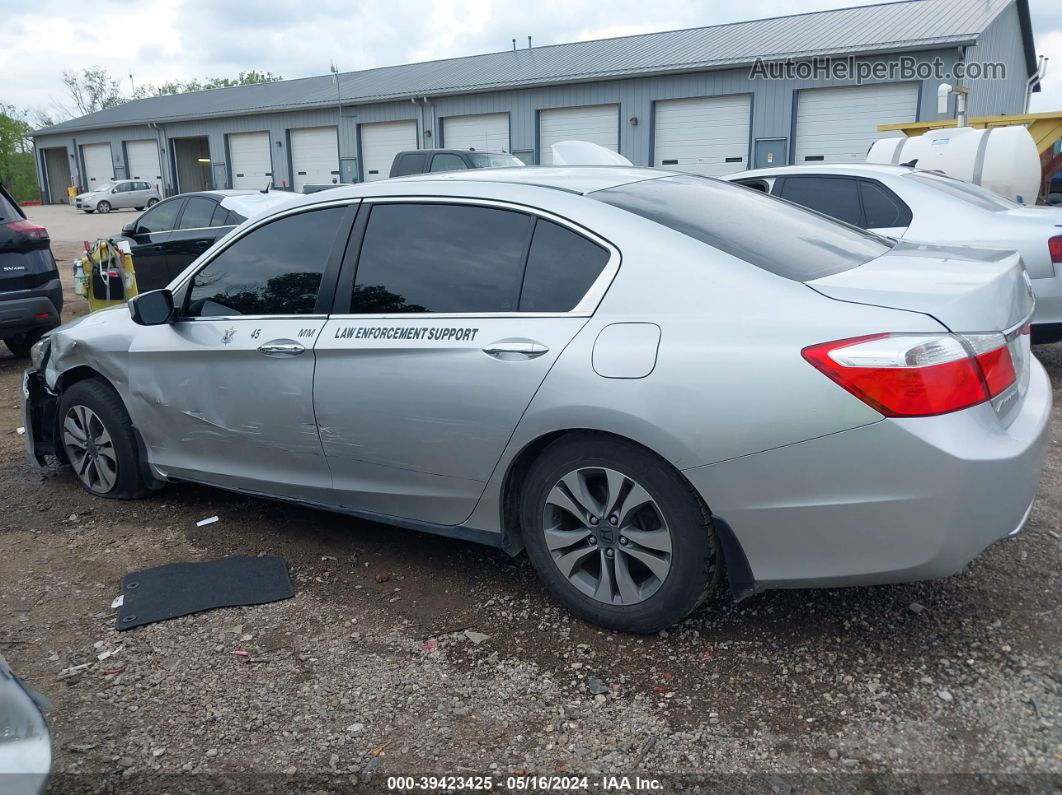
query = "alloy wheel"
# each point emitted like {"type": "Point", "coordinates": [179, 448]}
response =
{"type": "Point", "coordinates": [607, 535]}
{"type": "Point", "coordinates": [90, 449]}
{"type": "Point", "coordinates": [103, 207]}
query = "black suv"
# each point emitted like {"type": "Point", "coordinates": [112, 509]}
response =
{"type": "Point", "coordinates": [166, 238]}
{"type": "Point", "coordinates": [421, 161]}
{"type": "Point", "coordinates": [31, 296]}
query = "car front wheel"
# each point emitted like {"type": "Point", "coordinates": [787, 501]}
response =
{"type": "Point", "coordinates": [103, 207]}
{"type": "Point", "coordinates": [98, 440]}
{"type": "Point", "coordinates": [616, 534]}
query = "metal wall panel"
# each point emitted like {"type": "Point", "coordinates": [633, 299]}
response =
{"type": "Point", "coordinates": [1001, 42]}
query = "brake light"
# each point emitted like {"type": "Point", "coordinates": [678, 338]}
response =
{"type": "Point", "coordinates": [917, 375]}
{"type": "Point", "coordinates": [1054, 245]}
{"type": "Point", "coordinates": [29, 229]}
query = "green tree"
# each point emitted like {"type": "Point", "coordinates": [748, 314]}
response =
{"type": "Point", "coordinates": [92, 90]}
{"type": "Point", "coordinates": [184, 86]}
{"type": "Point", "coordinates": [17, 170]}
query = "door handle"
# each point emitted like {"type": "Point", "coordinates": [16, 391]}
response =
{"type": "Point", "coordinates": [515, 350]}
{"type": "Point", "coordinates": [156, 248]}
{"type": "Point", "coordinates": [280, 348]}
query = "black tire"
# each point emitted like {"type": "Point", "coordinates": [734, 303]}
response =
{"type": "Point", "coordinates": [90, 212]}
{"type": "Point", "coordinates": [20, 344]}
{"type": "Point", "coordinates": [138, 209]}
{"type": "Point", "coordinates": [103, 207]}
{"type": "Point", "coordinates": [104, 402]}
{"type": "Point", "coordinates": [152, 202]}
{"type": "Point", "coordinates": [695, 561]}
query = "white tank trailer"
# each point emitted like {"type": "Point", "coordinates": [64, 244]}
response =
{"type": "Point", "coordinates": [1002, 159]}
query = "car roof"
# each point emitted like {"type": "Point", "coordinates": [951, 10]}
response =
{"type": "Point", "coordinates": [838, 169]}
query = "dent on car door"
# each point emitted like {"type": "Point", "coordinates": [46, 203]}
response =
{"type": "Point", "coordinates": [224, 394]}
{"type": "Point", "coordinates": [151, 233]}
{"type": "Point", "coordinates": [454, 318]}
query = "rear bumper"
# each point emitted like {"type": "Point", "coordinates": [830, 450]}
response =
{"type": "Point", "coordinates": [896, 501]}
{"type": "Point", "coordinates": [25, 310]}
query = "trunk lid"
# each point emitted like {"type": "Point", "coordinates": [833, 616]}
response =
{"type": "Point", "coordinates": [965, 289]}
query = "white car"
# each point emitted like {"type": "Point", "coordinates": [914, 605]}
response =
{"type": "Point", "coordinates": [925, 206]}
{"type": "Point", "coordinates": [118, 194]}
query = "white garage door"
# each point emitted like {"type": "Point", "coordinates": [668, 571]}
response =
{"type": "Point", "coordinates": [703, 135]}
{"type": "Point", "coordinates": [314, 156]}
{"type": "Point", "coordinates": [251, 163]}
{"type": "Point", "coordinates": [598, 124]}
{"type": "Point", "coordinates": [142, 158]}
{"type": "Point", "coordinates": [839, 125]}
{"type": "Point", "coordinates": [485, 133]}
{"type": "Point", "coordinates": [380, 142]}
{"type": "Point", "coordinates": [98, 165]}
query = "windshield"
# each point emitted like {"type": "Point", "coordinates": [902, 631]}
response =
{"type": "Point", "coordinates": [967, 192]}
{"type": "Point", "coordinates": [485, 160]}
{"type": "Point", "coordinates": [103, 187]}
{"type": "Point", "coordinates": [769, 233]}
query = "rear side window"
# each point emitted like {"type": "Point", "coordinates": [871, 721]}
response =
{"type": "Point", "coordinates": [440, 258]}
{"type": "Point", "coordinates": [770, 234]}
{"type": "Point", "coordinates": [223, 217]}
{"type": "Point", "coordinates": [411, 163]}
{"type": "Point", "coordinates": [837, 197]}
{"type": "Point", "coordinates": [197, 213]}
{"type": "Point", "coordinates": [447, 162]}
{"type": "Point", "coordinates": [882, 208]}
{"type": "Point", "coordinates": [561, 266]}
{"type": "Point", "coordinates": [274, 270]}
{"type": "Point", "coordinates": [161, 218]}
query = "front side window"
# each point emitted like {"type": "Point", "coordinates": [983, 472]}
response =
{"type": "Point", "coordinates": [441, 258]}
{"type": "Point", "coordinates": [447, 162]}
{"type": "Point", "coordinates": [774, 235]}
{"type": "Point", "coordinates": [197, 213]}
{"type": "Point", "coordinates": [275, 269]}
{"type": "Point", "coordinates": [836, 197]}
{"type": "Point", "coordinates": [161, 218]}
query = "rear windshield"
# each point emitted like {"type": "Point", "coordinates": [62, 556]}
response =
{"type": "Point", "coordinates": [767, 232]}
{"type": "Point", "coordinates": [967, 192]}
{"type": "Point", "coordinates": [8, 211]}
{"type": "Point", "coordinates": [485, 160]}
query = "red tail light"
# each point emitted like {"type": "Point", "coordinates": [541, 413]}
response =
{"type": "Point", "coordinates": [29, 229]}
{"type": "Point", "coordinates": [918, 375]}
{"type": "Point", "coordinates": [1054, 245]}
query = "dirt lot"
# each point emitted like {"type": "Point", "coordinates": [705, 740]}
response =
{"type": "Point", "coordinates": [368, 671]}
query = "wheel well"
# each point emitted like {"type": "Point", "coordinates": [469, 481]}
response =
{"type": "Point", "coordinates": [75, 374]}
{"type": "Point", "coordinates": [733, 561]}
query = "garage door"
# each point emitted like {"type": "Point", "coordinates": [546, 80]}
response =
{"type": "Point", "coordinates": [380, 142]}
{"type": "Point", "coordinates": [839, 125]}
{"type": "Point", "coordinates": [251, 165]}
{"type": "Point", "coordinates": [98, 165]}
{"type": "Point", "coordinates": [703, 135]}
{"type": "Point", "coordinates": [142, 157]}
{"type": "Point", "coordinates": [598, 124]}
{"type": "Point", "coordinates": [314, 156]}
{"type": "Point", "coordinates": [485, 133]}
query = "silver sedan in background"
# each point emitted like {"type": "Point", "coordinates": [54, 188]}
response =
{"type": "Point", "coordinates": [926, 206]}
{"type": "Point", "coordinates": [642, 378]}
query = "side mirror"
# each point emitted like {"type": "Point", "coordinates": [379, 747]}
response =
{"type": "Point", "coordinates": [152, 309]}
{"type": "Point", "coordinates": [129, 229]}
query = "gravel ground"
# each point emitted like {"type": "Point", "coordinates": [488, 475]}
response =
{"type": "Point", "coordinates": [375, 668]}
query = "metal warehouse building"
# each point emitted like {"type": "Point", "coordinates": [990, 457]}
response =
{"type": "Point", "coordinates": [680, 99]}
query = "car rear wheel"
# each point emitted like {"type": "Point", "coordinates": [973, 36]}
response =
{"type": "Point", "coordinates": [20, 344]}
{"type": "Point", "coordinates": [98, 440]}
{"type": "Point", "coordinates": [103, 207]}
{"type": "Point", "coordinates": [152, 202]}
{"type": "Point", "coordinates": [616, 534]}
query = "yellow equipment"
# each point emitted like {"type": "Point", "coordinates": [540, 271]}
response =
{"type": "Point", "coordinates": [105, 275]}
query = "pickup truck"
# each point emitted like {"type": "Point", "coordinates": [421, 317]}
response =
{"type": "Point", "coordinates": [421, 161]}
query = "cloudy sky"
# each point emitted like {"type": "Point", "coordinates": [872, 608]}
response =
{"type": "Point", "coordinates": [160, 40]}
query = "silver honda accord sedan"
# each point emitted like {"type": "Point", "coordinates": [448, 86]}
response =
{"type": "Point", "coordinates": [645, 379]}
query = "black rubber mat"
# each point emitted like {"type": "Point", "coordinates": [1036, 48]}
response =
{"type": "Point", "coordinates": [180, 589]}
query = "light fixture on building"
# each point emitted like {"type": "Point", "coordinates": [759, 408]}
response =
{"type": "Point", "coordinates": [634, 121]}
{"type": "Point", "coordinates": [202, 159]}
